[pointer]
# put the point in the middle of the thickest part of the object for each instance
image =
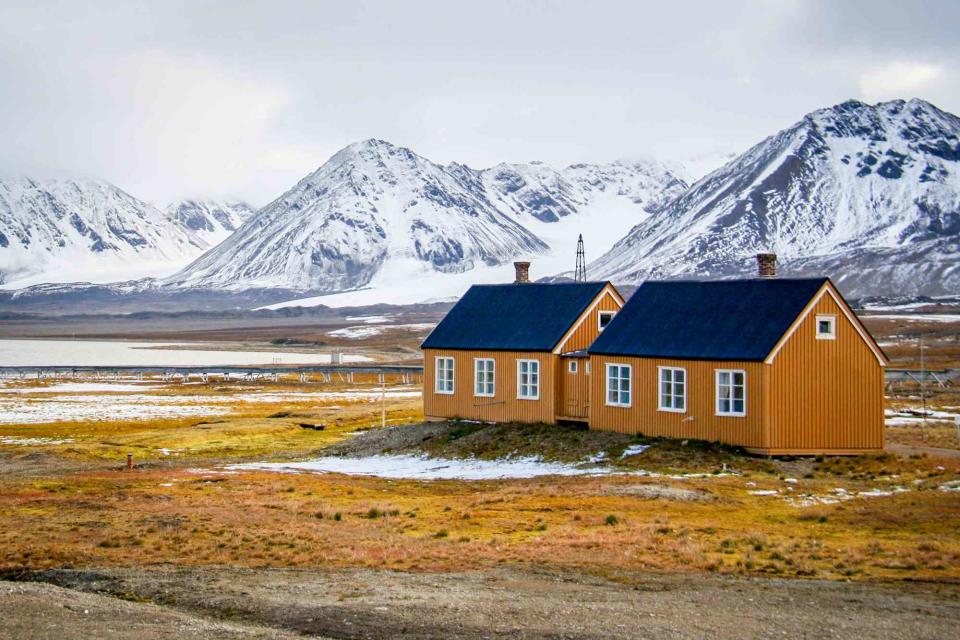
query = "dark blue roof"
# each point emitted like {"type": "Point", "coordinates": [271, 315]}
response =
{"type": "Point", "coordinates": [715, 320]}
{"type": "Point", "coordinates": [513, 317]}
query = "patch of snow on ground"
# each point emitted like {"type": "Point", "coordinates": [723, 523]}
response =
{"type": "Point", "coordinates": [82, 387]}
{"type": "Point", "coordinates": [913, 417]}
{"type": "Point", "coordinates": [370, 319]}
{"type": "Point", "coordinates": [32, 442]}
{"type": "Point", "coordinates": [22, 408]}
{"type": "Point", "coordinates": [96, 409]}
{"type": "Point", "coordinates": [917, 317]}
{"type": "Point", "coordinates": [633, 450]}
{"type": "Point", "coordinates": [424, 468]}
{"type": "Point", "coordinates": [353, 333]}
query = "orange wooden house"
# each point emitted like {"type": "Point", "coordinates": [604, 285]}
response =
{"type": "Point", "coordinates": [517, 352]}
{"type": "Point", "coordinates": [777, 366]}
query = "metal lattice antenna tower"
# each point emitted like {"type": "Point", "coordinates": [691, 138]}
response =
{"type": "Point", "coordinates": [580, 273]}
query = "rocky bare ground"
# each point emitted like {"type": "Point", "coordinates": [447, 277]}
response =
{"type": "Point", "coordinates": [235, 603]}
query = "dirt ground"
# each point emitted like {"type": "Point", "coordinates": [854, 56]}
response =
{"type": "Point", "coordinates": [232, 603]}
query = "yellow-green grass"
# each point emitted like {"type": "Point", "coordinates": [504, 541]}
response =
{"type": "Point", "coordinates": [244, 430]}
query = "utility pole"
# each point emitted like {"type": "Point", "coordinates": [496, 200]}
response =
{"type": "Point", "coordinates": [580, 273]}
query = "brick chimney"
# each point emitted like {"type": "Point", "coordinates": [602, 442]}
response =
{"type": "Point", "coordinates": [523, 271]}
{"type": "Point", "coordinates": [767, 265]}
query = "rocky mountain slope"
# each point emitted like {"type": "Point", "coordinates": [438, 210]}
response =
{"type": "Point", "coordinates": [78, 230]}
{"type": "Point", "coordinates": [212, 220]}
{"type": "Point", "coordinates": [376, 209]}
{"type": "Point", "coordinates": [867, 194]}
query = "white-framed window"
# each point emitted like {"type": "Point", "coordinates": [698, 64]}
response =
{"type": "Point", "coordinates": [484, 377]}
{"type": "Point", "coordinates": [586, 368]}
{"type": "Point", "coordinates": [619, 385]}
{"type": "Point", "coordinates": [826, 327]}
{"type": "Point", "coordinates": [731, 392]}
{"type": "Point", "coordinates": [528, 379]}
{"type": "Point", "coordinates": [604, 318]}
{"type": "Point", "coordinates": [572, 366]}
{"type": "Point", "coordinates": [673, 389]}
{"type": "Point", "coordinates": [444, 375]}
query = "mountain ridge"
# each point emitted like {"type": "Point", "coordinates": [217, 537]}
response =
{"type": "Point", "coordinates": [833, 192]}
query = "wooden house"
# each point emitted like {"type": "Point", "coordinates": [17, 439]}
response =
{"type": "Point", "coordinates": [517, 352]}
{"type": "Point", "coordinates": [777, 366]}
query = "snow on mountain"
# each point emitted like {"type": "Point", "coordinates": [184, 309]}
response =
{"type": "Point", "coordinates": [212, 220]}
{"type": "Point", "coordinates": [72, 230]}
{"type": "Point", "coordinates": [867, 194]}
{"type": "Point", "coordinates": [380, 216]}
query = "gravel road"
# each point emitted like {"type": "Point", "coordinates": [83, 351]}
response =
{"type": "Point", "coordinates": [233, 603]}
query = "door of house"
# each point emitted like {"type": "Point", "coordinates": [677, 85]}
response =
{"type": "Point", "coordinates": [575, 387]}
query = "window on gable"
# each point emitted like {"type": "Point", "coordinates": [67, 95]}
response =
{"type": "Point", "coordinates": [444, 376]}
{"type": "Point", "coordinates": [731, 392]}
{"type": "Point", "coordinates": [484, 383]}
{"type": "Point", "coordinates": [572, 366]}
{"type": "Point", "coordinates": [618, 385]}
{"type": "Point", "coordinates": [826, 327]}
{"type": "Point", "coordinates": [604, 318]}
{"type": "Point", "coordinates": [673, 389]}
{"type": "Point", "coordinates": [528, 379]}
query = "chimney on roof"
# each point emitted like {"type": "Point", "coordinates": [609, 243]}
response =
{"type": "Point", "coordinates": [767, 265]}
{"type": "Point", "coordinates": [523, 272]}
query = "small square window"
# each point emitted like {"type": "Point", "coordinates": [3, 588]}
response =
{"type": "Point", "coordinates": [572, 366]}
{"type": "Point", "coordinates": [826, 327]}
{"type": "Point", "coordinates": [604, 318]}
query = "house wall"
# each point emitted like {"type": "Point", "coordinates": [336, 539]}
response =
{"type": "Point", "coordinates": [698, 422]}
{"type": "Point", "coordinates": [504, 406]}
{"type": "Point", "coordinates": [825, 395]}
{"type": "Point", "coordinates": [588, 330]}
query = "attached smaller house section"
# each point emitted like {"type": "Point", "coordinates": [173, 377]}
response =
{"type": "Point", "coordinates": [517, 352]}
{"type": "Point", "coordinates": [778, 366]}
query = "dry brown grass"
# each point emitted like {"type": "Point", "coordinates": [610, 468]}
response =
{"type": "Point", "coordinates": [262, 519]}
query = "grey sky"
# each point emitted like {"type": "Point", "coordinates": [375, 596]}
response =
{"type": "Point", "coordinates": [172, 99]}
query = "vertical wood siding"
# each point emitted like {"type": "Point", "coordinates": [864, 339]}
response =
{"type": "Point", "coordinates": [504, 406]}
{"type": "Point", "coordinates": [573, 401]}
{"type": "Point", "coordinates": [589, 329]}
{"type": "Point", "coordinates": [698, 422]}
{"type": "Point", "coordinates": [826, 395]}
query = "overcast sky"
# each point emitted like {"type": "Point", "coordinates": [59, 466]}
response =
{"type": "Point", "coordinates": [169, 99]}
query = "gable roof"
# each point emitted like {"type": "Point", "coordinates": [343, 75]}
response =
{"type": "Point", "coordinates": [513, 317]}
{"type": "Point", "coordinates": [707, 320]}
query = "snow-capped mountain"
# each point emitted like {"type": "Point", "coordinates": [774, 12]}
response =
{"type": "Point", "coordinates": [381, 215]}
{"type": "Point", "coordinates": [71, 230]}
{"type": "Point", "coordinates": [867, 194]}
{"type": "Point", "coordinates": [212, 220]}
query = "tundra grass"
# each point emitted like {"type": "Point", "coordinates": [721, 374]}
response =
{"type": "Point", "coordinates": [189, 511]}
{"type": "Point", "coordinates": [302, 520]}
